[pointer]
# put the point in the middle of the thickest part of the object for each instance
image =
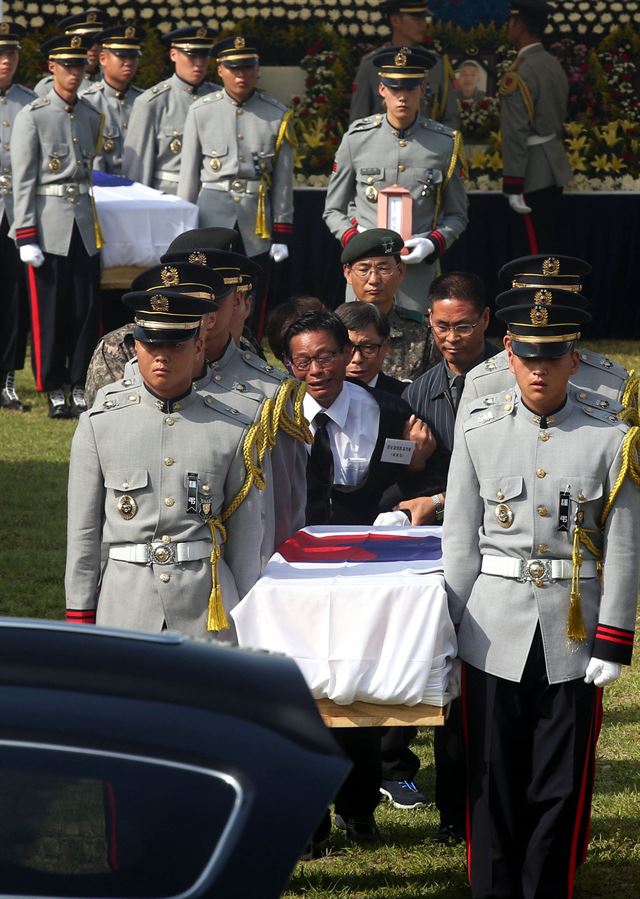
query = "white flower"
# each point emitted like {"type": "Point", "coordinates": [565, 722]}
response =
{"type": "Point", "coordinates": [606, 18]}
{"type": "Point", "coordinates": [18, 6]}
{"type": "Point", "coordinates": [128, 13]}
{"type": "Point", "coordinates": [278, 12]}
{"type": "Point", "coordinates": [48, 8]}
{"type": "Point", "coordinates": [334, 15]}
{"type": "Point", "coordinates": [566, 27]}
{"type": "Point", "coordinates": [342, 29]}
{"type": "Point", "coordinates": [207, 11]}
{"type": "Point", "coordinates": [239, 13]}
{"type": "Point", "coordinates": [37, 22]}
{"type": "Point", "coordinates": [20, 20]}
{"type": "Point", "coordinates": [369, 30]}
{"type": "Point", "coordinates": [147, 12]}
{"type": "Point", "coordinates": [165, 27]}
{"type": "Point", "coordinates": [62, 9]}
{"type": "Point", "coordinates": [32, 8]}
{"type": "Point", "coordinates": [252, 12]}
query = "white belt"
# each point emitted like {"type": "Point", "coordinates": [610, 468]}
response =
{"type": "Point", "coordinates": [159, 553]}
{"type": "Point", "coordinates": [174, 177]}
{"type": "Point", "coordinates": [237, 185]}
{"type": "Point", "coordinates": [535, 140]}
{"type": "Point", "coordinates": [535, 569]}
{"type": "Point", "coordinates": [62, 190]}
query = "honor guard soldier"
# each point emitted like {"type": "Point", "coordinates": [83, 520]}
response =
{"type": "Point", "coordinates": [153, 144]}
{"type": "Point", "coordinates": [14, 311]}
{"type": "Point", "coordinates": [408, 24]}
{"type": "Point", "coordinates": [401, 148]}
{"type": "Point", "coordinates": [596, 374]}
{"type": "Point", "coordinates": [87, 24]}
{"type": "Point", "coordinates": [120, 52]}
{"type": "Point", "coordinates": [237, 156]}
{"type": "Point", "coordinates": [152, 468]}
{"type": "Point", "coordinates": [541, 567]}
{"type": "Point", "coordinates": [533, 98]}
{"type": "Point", "coordinates": [54, 140]}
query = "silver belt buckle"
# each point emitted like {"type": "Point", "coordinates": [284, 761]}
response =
{"type": "Point", "coordinates": [161, 553]}
{"type": "Point", "coordinates": [70, 190]}
{"type": "Point", "coordinates": [537, 571]}
{"type": "Point", "coordinates": [238, 186]}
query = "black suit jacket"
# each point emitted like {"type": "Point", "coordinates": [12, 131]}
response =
{"type": "Point", "coordinates": [390, 385]}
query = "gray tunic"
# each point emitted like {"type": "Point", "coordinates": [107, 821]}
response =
{"type": "Point", "coordinates": [227, 148]}
{"type": "Point", "coordinates": [373, 155]}
{"type": "Point", "coordinates": [438, 103]}
{"type": "Point", "coordinates": [498, 616]}
{"type": "Point", "coordinates": [132, 448]}
{"type": "Point", "coordinates": [534, 94]}
{"type": "Point", "coordinates": [153, 144]}
{"type": "Point", "coordinates": [52, 149]}
{"type": "Point", "coordinates": [116, 106]}
{"type": "Point", "coordinates": [11, 102]}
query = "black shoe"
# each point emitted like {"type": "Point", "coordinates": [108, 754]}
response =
{"type": "Point", "coordinates": [317, 845]}
{"type": "Point", "coordinates": [403, 794]}
{"type": "Point", "coordinates": [449, 835]}
{"type": "Point", "coordinates": [360, 830]}
{"type": "Point", "coordinates": [9, 399]}
{"type": "Point", "coordinates": [77, 402]}
{"type": "Point", "coordinates": [57, 404]}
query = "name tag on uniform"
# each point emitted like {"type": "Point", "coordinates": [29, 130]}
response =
{"type": "Point", "coordinates": [398, 451]}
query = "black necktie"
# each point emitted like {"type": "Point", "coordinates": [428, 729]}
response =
{"type": "Point", "coordinates": [321, 457]}
{"type": "Point", "coordinates": [457, 386]}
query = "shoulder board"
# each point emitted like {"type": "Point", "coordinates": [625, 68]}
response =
{"type": "Point", "coordinates": [134, 89]}
{"type": "Point", "coordinates": [489, 366]}
{"type": "Point", "coordinates": [587, 357]}
{"type": "Point", "coordinates": [220, 381]}
{"type": "Point", "coordinates": [438, 127]}
{"type": "Point", "coordinates": [272, 100]}
{"type": "Point", "coordinates": [366, 124]}
{"type": "Point", "coordinates": [21, 89]}
{"type": "Point", "coordinates": [595, 400]}
{"type": "Point", "coordinates": [273, 373]}
{"type": "Point", "coordinates": [218, 406]}
{"type": "Point", "coordinates": [121, 399]}
{"type": "Point", "coordinates": [95, 88]}
{"type": "Point", "coordinates": [38, 103]}
{"type": "Point", "coordinates": [155, 91]}
{"type": "Point", "coordinates": [208, 98]}
{"type": "Point", "coordinates": [490, 408]}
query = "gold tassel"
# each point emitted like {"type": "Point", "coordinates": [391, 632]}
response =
{"type": "Point", "coordinates": [261, 214]}
{"type": "Point", "coordinates": [217, 617]}
{"type": "Point", "coordinates": [575, 622]}
{"type": "Point", "coordinates": [97, 230]}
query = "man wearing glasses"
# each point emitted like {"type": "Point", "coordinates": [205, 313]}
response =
{"type": "Point", "coordinates": [369, 338]}
{"type": "Point", "coordinates": [373, 268]}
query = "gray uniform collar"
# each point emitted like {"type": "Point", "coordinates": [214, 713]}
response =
{"type": "Point", "coordinates": [114, 92]}
{"type": "Point", "coordinates": [184, 86]}
{"type": "Point", "coordinates": [167, 406]}
{"type": "Point", "coordinates": [226, 357]}
{"type": "Point", "coordinates": [553, 421]}
{"type": "Point", "coordinates": [229, 99]}
{"type": "Point", "coordinates": [57, 102]}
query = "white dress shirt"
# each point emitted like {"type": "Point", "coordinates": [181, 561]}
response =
{"type": "Point", "coordinates": [353, 431]}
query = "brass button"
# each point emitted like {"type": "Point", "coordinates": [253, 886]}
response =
{"type": "Point", "coordinates": [541, 473]}
{"type": "Point", "coordinates": [581, 496]}
{"type": "Point", "coordinates": [165, 578]}
{"type": "Point", "coordinates": [401, 168]}
{"type": "Point", "coordinates": [170, 421]}
{"type": "Point", "coordinates": [542, 511]}
{"type": "Point", "coordinates": [217, 377]}
{"type": "Point", "coordinates": [239, 111]}
{"type": "Point", "coordinates": [75, 140]}
{"type": "Point", "coordinates": [582, 395]}
{"type": "Point", "coordinates": [241, 137]}
{"type": "Point", "coordinates": [508, 397]}
{"type": "Point", "coordinates": [402, 143]}
{"type": "Point", "coordinates": [544, 436]}
{"type": "Point", "coordinates": [169, 461]}
{"type": "Point", "coordinates": [177, 406]}
{"type": "Point", "coordinates": [500, 495]}
{"type": "Point", "coordinates": [166, 538]}
{"type": "Point", "coordinates": [125, 485]}
{"type": "Point", "coordinates": [206, 488]}
{"type": "Point", "coordinates": [236, 199]}
{"type": "Point", "coordinates": [542, 548]}
{"type": "Point", "coordinates": [169, 501]}
{"type": "Point", "coordinates": [5, 124]}
{"type": "Point", "coordinates": [240, 158]}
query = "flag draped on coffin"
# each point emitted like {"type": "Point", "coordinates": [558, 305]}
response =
{"type": "Point", "coordinates": [363, 611]}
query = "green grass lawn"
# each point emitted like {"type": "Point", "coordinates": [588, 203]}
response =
{"type": "Point", "coordinates": [34, 454]}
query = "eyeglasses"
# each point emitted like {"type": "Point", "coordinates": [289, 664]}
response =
{"type": "Point", "coordinates": [322, 360]}
{"type": "Point", "coordinates": [384, 270]}
{"type": "Point", "coordinates": [367, 350]}
{"type": "Point", "coordinates": [464, 329]}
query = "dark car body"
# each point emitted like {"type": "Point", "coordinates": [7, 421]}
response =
{"type": "Point", "coordinates": [153, 766]}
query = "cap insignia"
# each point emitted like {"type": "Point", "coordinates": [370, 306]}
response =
{"type": "Point", "coordinates": [197, 258]}
{"type": "Point", "coordinates": [91, 17]}
{"type": "Point", "coordinates": [551, 267]}
{"type": "Point", "coordinates": [201, 32]}
{"type": "Point", "coordinates": [4, 28]}
{"type": "Point", "coordinates": [402, 57]}
{"type": "Point", "coordinates": [159, 303]}
{"type": "Point", "coordinates": [387, 245]}
{"type": "Point", "coordinates": [239, 43]}
{"type": "Point", "coordinates": [539, 315]}
{"type": "Point", "coordinates": [76, 42]}
{"type": "Point", "coordinates": [169, 276]}
{"type": "Point", "coordinates": [543, 298]}
{"type": "Point", "coordinates": [130, 32]}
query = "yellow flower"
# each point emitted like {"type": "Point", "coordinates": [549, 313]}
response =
{"type": "Point", "coordinates": [573, 128]}
{"type": "Point", "coordinates": [609, 134]}
{"type": "Point", "coordinates": [617, 164]}
{"type": "Point", "coordinates": [577, 162]}
{"type": "Point", "coordinates": [478, 159]}
{"type": "Point", "coordinates": [577, 143]}
{"type": "Point", "coordinates": [601, 163]}
{"type": "Point", "coordinates": [495, 162]}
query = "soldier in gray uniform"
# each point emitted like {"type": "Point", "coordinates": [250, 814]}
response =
{"type": "Point", "coordinates": [596, 374]}
{"type": "Point", "coordinates": [407, 21]}
{"type": "Point", "coordinates": [120, 52]}
{"type": "Point", "coordinates": [151, 470]}
{"type": "Point", "coordinates": [87, 24]}
{"type": "Point", "coordinates": [153, 144]}
{"type": "Point", "coordinates": [401, 148]}
{"type": "Point", "coordinates": [53, 143]}
{"type": "Point", "coordinates": [374, 269]}
{"type": "Point", "coordinates": [539, 630]}
{"type": "Point", "coordinates": [534, 94]}
{"type": "Point", "coordinates": [237, 156]}
{"type": "Point", "coordinates": [14, 312]}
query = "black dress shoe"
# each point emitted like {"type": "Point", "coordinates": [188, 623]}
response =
{"type": "Point", "coordinates": [77, 402]}
{"type": "Point", "coordinates": [57, 404]}
{"type": "Point", "coordinates": [449, 835]}
{"type": "Point", "coordinates": [9, 399]}
{"type": "Point", "coordinates": [360, 829]}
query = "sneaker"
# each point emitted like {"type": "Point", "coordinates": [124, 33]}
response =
{"type": "Point", "coordinates": [449, 834]}
{"type": "Point", "coordinates": [77, 402]}
{"type": "Point", "coordinates": [359, 829]}
{"type": "Point", "coordinates": [9, 399]}
{"type": "Point", "coordinates": [57, 404]}
{"type": "Point", "coordinates": [403, 794]}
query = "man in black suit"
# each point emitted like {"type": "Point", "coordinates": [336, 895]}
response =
{"type": "Point", "coordinates": [348, 470]}
{"type": "Point", "coordinates": [459, 317]}
{"type": "Point", "coordinates": [369, 336]}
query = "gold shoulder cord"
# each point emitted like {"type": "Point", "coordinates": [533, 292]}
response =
{"type": "Point", "coordinates": [453, 162]}
{"type": "Point", "coordinates": [284, 132]}
{"type": "Point", "coordinates": [97, 230]}
{"type": "Point", "coordinates": [630, 466]}
{"type": "Point", "coordinates": [631, 399]}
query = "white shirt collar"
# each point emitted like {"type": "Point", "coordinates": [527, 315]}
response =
{"type": "Point", "coordinates": [529, 47]}
{"type": "Point", "coordinates": [337, 411]}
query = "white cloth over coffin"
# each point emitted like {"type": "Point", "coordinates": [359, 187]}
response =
{"type": "Point", "coordinates": [381, 636]}
{"type": "Point", "coordinates": [138, 223]}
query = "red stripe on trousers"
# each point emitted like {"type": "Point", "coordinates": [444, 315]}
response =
{"type": "Point", "coordinates": [584, 799]}
{"type": "Point", "coordinates": [35, 324]}
{"type": "Point", "coordinates": [531, 234]}
{"type": "Point", "coordinates": [465, 734]}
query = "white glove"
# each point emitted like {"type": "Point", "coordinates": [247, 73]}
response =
{"type": "Point", "coordinates": [31, 254]}
{"type": "Point", "coordinates": [279, 252]}
{"type": "Point", "coordinates": [517, 203]}
{"type": "Point", "coordinates": [420, 247]}
{"type": "Point", "coordinates": [392, 520]}
{"type": "Point", "coordinates": [601, 673]}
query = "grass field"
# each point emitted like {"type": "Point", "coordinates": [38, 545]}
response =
{"type": "Point", "coordinates": [34, 455]}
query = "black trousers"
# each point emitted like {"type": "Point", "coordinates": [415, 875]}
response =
{"type": "Point", "coordinates": [541, 230]}
{"type": "Point", "coordinates": [65, 315]}
{"type": "Point", "coordinates": [14, 310]}
{"type": "Point", "coordinates": [360, 793]}
{"type": "Point", "coordinates": [531, 750]}
{"type": "Point", "coordinates": [399, 762]}
{"type": "Point", "coordinates": [451, 768]}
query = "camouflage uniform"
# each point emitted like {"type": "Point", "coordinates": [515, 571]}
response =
{"type": "Point", "coordinates": [108, 361]}
{"type": "Point", "coordinates": [412, 348]}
